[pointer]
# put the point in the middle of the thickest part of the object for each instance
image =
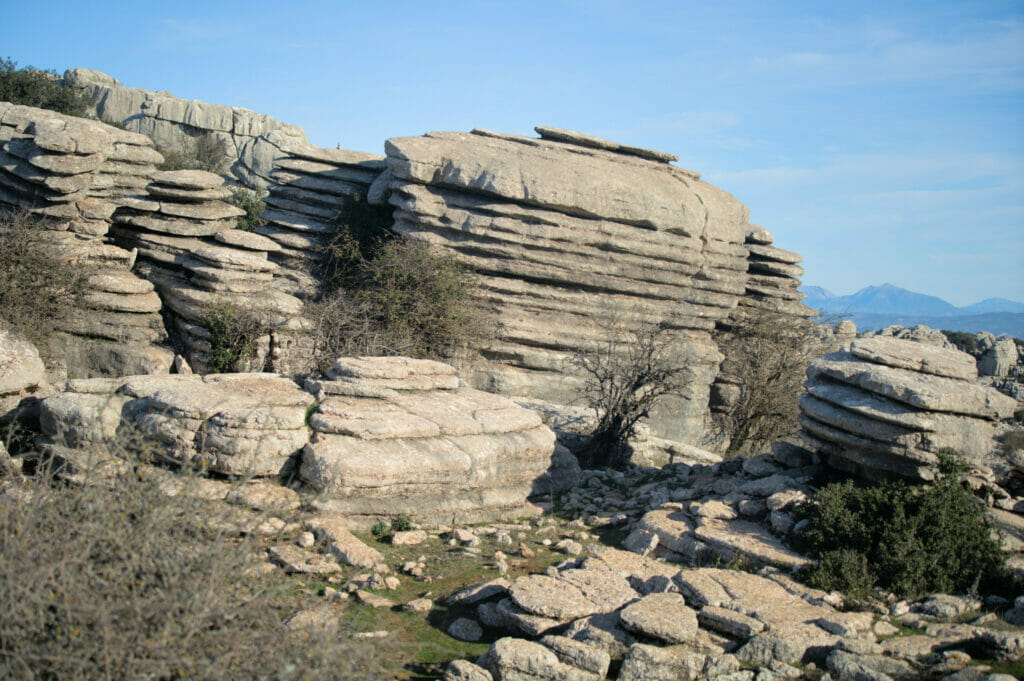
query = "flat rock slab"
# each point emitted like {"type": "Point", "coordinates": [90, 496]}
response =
{"type": "Point", "coordinates": [390, 367]}
{"type": "Point", "coordinates": [919, 357]}
{"type": "Point", "coordinates": [652, 663]}
{"type": "Point", "coordinates": [247, 240]}
{"type": "Point", "coordinates": [609, 591]}
{"type": "Point", "coordinates": [188, 179]}
{"type": "Point", "coordinates": [529, 624]}
{"type": "Point", "coordinates": [936, 393]}
{"type": "Point", "coordinates": [344, 545]}
{"type": "Point", "coordinates": [750, 540]}
{"type": "Point", "coordinates": [729, 622]}
{"type": "Point", "coordinates": [664, 616]}
{"type": "Point", "coordinates": [161, 191]}
{"type": "Point", "coordinates": [205, 210]}
{"type": "Point", "coordinates": [550, 597]}
{"type": "Point", "coordinates": [298, 560]}
{"type": "Point", "coordinates": [479, 592]}
{"type": "Point", "coordinates": [514, 658]}
{"type": "Point", "coordinates": [585, 140]}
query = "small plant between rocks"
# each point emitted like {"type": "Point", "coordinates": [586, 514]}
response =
{"type": "Point", "coordinates": [249, 201]}
{"type": "Point", "coordinates": [42, 89]}
{"type": "Point", "coordinates": [234, 337]}
{"type": "Point", "coordinates": [910, 540]}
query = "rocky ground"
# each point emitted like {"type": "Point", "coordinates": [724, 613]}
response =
{"type": "Point", "coordinates": [638, 574]}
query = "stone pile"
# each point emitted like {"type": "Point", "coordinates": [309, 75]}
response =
{"type": "Point", "coordinates": [888, 405]}
{"type": "Point", "coordinates": [396, 435]}
{"type": "Point", "coordinates": [314, 191]}
{"type": "Point", "coordinates": [773, 276]}
{"type": "Point", "coordinates": [57, 167]}
{"type": "Point", "coordinates": [188, 247]}
{"type": "Point", "coordinates": [250, 141]}
{"type": "Point", "coordinates": [573, 238]}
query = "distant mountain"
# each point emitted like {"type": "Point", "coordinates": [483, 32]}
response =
{"type": "Point", "coordinates": [876, 307]}
{"type": "Point", "coordinates": [993, 305]}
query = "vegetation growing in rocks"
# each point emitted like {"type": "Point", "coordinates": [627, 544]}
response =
{"type": "Point", "coordinates": [624, 376]}
{"type": "Point", "coordinates": [234, 337]}
{"type": "Point", "coordinates": [39, 88]}
{"type": "Point", "coordinates": [252, 204]}
{"type": "Point", "coordinates": [202, 151]}
{"type": "Point", "coordinates": [768, 352]}
{"type": "Point", "coordinates": [964, 341]}
{"type": "Point", "coordinates": [385, 294]}
{"type": "Point", "coordinates": [911, 540]}
{"type": "Point", "coordinates": [38, 288]}
{"type": "Point", "coordinates": [120, 581]}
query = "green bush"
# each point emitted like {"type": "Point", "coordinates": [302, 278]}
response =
{"type": "Point", "coordinates": [42, 89]}
{"type": "Point", "coordinates": [964, 341]}
{"type": "Point", "coordinates": [38, 288]}
{"type": "Point", "coordinates": [401, 523]}
{"type": "Point", "coordinates": [123, 582]}
{"type": "Point", "coordinates": [234, 337]}
{"type": "Point", "coordinates": [911, 540]}
{"type": "Point", "coordinates": [388, 295]}
{"type": "Point", "coordinates": [252, 204]}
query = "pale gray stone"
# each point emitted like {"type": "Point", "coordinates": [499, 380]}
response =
{"type": "Point", "coordinates": [664, 616]}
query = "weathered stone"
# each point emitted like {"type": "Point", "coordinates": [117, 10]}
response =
{"type": "Point", "coordinates": [295, 559]}
{"type": "Point", "coordinates": [741, 537]}
{"type": "Point", "coordinates": [663, 616]}
{"type": "Point", "coordinates": [344, 545]}
{"type": "Point", "coordinates": [551, 598]}
{"type": "Point", "coordinates": [464, 670]}
{"type": "Point", "coordinates": [729, 622]}
{"type": "Point", "coordinates": [465, 629]}
{"type": "Point", "coordinates": [479, 592]}
{"type": "Point", "coordinates": [579, 655]}
{"type": "Point", "coordinates": [919, 357]}
{"type": "Point", "coordinates": [650, 663]}
{"type": "Point", "coordinates": [513, 659]}
{"type": "Point", "coordinates": [20, 365]}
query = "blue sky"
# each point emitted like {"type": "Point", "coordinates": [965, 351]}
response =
{"type": "Point", "coordinates": [883, 141]}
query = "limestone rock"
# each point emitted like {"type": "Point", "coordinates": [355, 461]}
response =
{"type": "Point", "coordinates": [663, 616]}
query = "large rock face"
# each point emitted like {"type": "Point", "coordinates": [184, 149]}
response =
{"type": "Point", "coordinates": [71, 174]}
{"type": "Point", "coordinates": [888, 405]}
{"type": "Point", "coordinates": [575, 236]}
{"type": "Point", "coordinates": [395, 435]}
{"type": "Point", "coordinates": [253, 141]}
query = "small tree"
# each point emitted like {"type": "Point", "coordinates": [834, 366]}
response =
{"type": "Point", "coordinates": [624, 376]}
{"type": "Point", "coordinates": [767, 353]}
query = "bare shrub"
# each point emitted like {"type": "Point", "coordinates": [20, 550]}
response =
{"type": "Point", "coordinates": [38, 287]}
{"type": "Point", "coordinates": [118, 581]}
{"type": "Point", "coordinates": [199, 151]}
{"type": "Point", "coordinates": [624, 377]}
{"type": "Point", "coordinates": [767, 354]}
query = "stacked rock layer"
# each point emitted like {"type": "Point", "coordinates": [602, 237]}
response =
{"type": "Point", "coordinates": [188, 246]}
{"type": "Point", "coordinates": [573, 238]}
{"type": "Point", "coordinates": [888, 405]}
{"type": "Point", "coordinates": [773, 277]}
{"type": "Point", "coordinates": [314, 191]}
{"type": "Point", "coordinates": [389, 435]}
{"type": "Point", "coordinates": [395, 435]}
{"type": "Point", "coordinates": [72, 173]}
{"type": "Point", "coordinates": [252, 141]}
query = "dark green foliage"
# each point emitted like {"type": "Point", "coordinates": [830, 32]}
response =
{"type": "Point", "coordinates": [963, 340]}
{"type": "Point", "coordinates": [37, 287]}
{"type": "Point", "coordinates": [401, 523]}
{"type": "Point", "coordinates": [123, 582]}
{"type": "Point", "coordinates": [42, 89]}
{"type": "Point", "coordinates": [234, 334]}
{"type": "Point", "coordinates": [380, 529]}
{"type": "Point", "coordinates": [389, 295]}
{"type": "Point", "coordinates": [252, 204]}
{"type": "Point", "coordinates": [911, 540]}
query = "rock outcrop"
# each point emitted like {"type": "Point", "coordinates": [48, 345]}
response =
{"type": "Point", "coordinates": [389, 436]}
{"type": "Point", "coordinates": [888, 405]}
{"type": "Point", "coordinates": [314, 192]}
{"type": "Point", "coordinates": [21, 371]}
{"type": "Point", "coordinates": [575, 236]}
{"type": "Point", "coordinates": [395, 435]}
{"type": "Point", "coordinates": [71, 174]}
{"type": "Point", "coordinates": [252, 141]}
{"type": "Point", "coordinates": [185, 237]}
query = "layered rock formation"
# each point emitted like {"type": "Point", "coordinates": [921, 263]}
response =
{"type": "Point", "coordinates": [389, 435]}
{"type": "Point", "coordinates": [72, 173]}
{"type": "Point", "coordinates": [188, 246]}
{"type": "Point", "coordinates": [888, 405]}
{"type": "Point", "coordinates": [313, 192]}
{"type": "Point", "coordinates": [395, 435]}
{"type": "Point", "coordinates": [252, 141]}
{"type": "Point", "coordinates": [573, 237]}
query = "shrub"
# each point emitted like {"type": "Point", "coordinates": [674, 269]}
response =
{"type": "Point", "coordinates": [201, 151]}
{"type": "Point", "coordinates": [964, 341]}
{"type": "Point", "coordinates": [38, 288]}
{"type": "Point", "coordinates": [252, 204]}
{"type": "Point", "coordinates": [911, 540]}
{"type": "Point", "coordinates": [234, 337]}
{"type": "Point", "coordinates": [390, 295]}
{"type": "Point", "coordinates": [122, 582]}
{"type": "Point", "coordinates": [42, 89]}
{"type": "Point", "coordinates": [767, 353]}
{"type": "Point", "coordinates": [624, 376]}
{"type": "Point", "coordinates": [401, 523]}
